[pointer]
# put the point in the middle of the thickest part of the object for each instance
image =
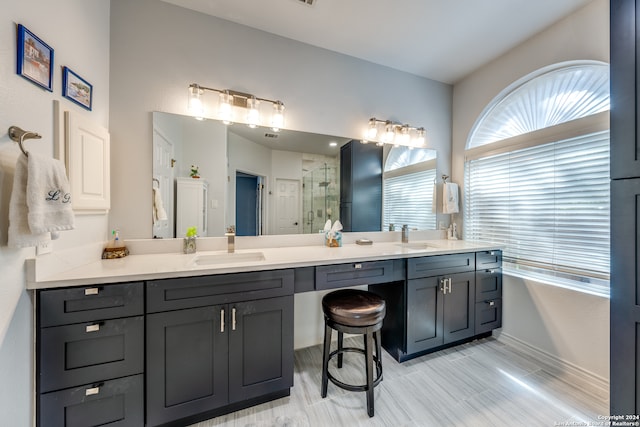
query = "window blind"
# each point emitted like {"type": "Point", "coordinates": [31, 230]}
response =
{"type": "Point", "coordinates": [408, 199]}
{"type": "Point", "coordinates": [549, 206]}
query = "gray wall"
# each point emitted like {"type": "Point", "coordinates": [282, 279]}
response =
{"type": "Point", "coordinates": [78, 31]}
{"type": "Point", "coordinates": [565, 324]}
{"type": "Point", "coordinates": [158, 49]}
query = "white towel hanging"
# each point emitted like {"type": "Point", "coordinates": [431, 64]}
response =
{"type": "Point", "coordinates": [450, 198]}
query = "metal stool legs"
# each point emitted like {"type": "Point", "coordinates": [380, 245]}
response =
{"type": "Point", "coordinates": [371, 335]}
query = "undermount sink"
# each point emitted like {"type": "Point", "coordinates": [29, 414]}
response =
{"type": "Point", "coordinates": [227, 258]}
{"type": "Point", "coordinates": [417, 246]}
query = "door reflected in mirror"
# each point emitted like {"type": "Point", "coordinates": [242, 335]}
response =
{"type": "Point", "coordinates": [260, 181]}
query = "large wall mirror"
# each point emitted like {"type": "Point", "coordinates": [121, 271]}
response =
{"type": "Point", "coordinates": [260, 181]}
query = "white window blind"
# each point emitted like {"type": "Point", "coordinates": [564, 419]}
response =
{"type": "Point", "coordinates": [549, 206]}
{"type": "Point", "coordinates": [408, 199]}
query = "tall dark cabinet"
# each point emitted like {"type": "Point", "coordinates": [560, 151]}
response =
{"type": "Point", "coordinates": [361, 186]}
{"type": "Point", "coordinates": [625, 208]}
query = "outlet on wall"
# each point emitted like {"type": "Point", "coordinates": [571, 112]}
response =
{"type": "Point", "coordinates": [44, 248]}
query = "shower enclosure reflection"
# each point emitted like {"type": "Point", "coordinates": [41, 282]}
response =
{"type": "Point", "coordinates": [320, 194]}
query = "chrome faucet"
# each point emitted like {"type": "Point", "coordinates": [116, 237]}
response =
{"type": "Point", "coordinates": [231, 239]}
{"type": "Point", "coordinates": [405, 233]}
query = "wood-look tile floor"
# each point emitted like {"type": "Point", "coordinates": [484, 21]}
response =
{"type": "Point", "coordinates": [482, 383]}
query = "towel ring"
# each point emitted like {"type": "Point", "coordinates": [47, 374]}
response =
{"type": "Point", "coordinates": [19, 135]}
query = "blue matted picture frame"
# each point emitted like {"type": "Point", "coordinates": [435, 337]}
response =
{"type": "Point", "coordinates": [35, 59]}
{"type": "Point", "coordinates": [77, 89]}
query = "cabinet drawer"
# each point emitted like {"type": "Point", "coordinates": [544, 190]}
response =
{"type": "Point", "coordinates": [85, 353]}
{"type": "Point", "coordinates": [190, 292]}
{"type": "Point", "coordinates": [488, 259]}
{"type": "Point", "coordinates": [488, 284]}
{"type": "Point", "coordinates": [87, 303]}
{"type": "Point", "coordinates": [117, 402]}
{"type": "Point", "coordinates": [438, 265]}
{"type": "Point", "coordinates": [488, 315]}
{"type": "Point", "coordinates": [357, 273]}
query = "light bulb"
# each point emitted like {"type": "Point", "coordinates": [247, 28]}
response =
{"type": "Point", "coordinates": [277, 120]}
{"type": "Point", "coordinates": [372, 130]}
{"type": "Point", "coordinates": [404, 138]}
{"type": "Point", "coordinates": [253, 115]}
{"type": "Point", "coordinates": [420, 138]}
{"type": "Point", "coordinates": [195, 102]}
{"type": "Point", "coordinates": [225, 111]}
{"type": "Point", "coordinates": [389, 133]}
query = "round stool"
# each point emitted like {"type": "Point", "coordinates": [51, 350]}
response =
{"type": "Point", "coordinates": [353, 311]}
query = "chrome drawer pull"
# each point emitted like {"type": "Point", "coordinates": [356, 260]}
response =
{"type": "Point", "coordinates": [357, 266]}
{"type": "Point", "coordinates": [92, 391]}
{"type": "Point", "coordinates": [222, 320]}
{"type": "Point", "coordinates": [492, 303]}
{"type": "Point", "coordinates": [93, 328]}
{"type": "Point", "coordinates": [91, 291]}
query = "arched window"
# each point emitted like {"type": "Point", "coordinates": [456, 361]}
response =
{"type": "Point", "coordinates": [537, 175]}
{"type": "Point", "coordinates": [408, 182]}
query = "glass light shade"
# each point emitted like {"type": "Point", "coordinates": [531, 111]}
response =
{"type": "Point", "coordinates": [277, 120]}
{"type": "Point", "coordinates": [404, 138]}
{"type": "Point", "coordinates": [225, 111]}
{"type": "Point", "coordinates": [419, 140]}
{"type": "Point", "coordinates": [389, 134]}
{"type": "Point", "coordinates": [253, 113]}
{"type": "Point", "coordinates": [195, 102]}
{"type": "Point", "coordinates": [372, 130]}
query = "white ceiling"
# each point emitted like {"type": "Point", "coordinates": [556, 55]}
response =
{"type": "Point", "coordinates": [442, 40]}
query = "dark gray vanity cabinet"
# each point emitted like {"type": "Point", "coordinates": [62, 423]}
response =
{"type": "Point", "coordinates": [440, 310]}
{"type": "Point", "coordinates": [90, 356]}
{"type": "Point", "coordinates": [625, 208]}
{"type": "Point", "coordinates": [216, 344]}
{"type": "Point", "coordinates": [488, 293]}
{"type": "Point", "coordinates": [361, 186]}
{"type": "Point", "coordinates": [438, 306]}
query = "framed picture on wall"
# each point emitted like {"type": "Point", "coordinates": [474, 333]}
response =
{"type": "Point", "coordinates": [35, 59]}
{"type": "Point", "coordinates": [76, 89]}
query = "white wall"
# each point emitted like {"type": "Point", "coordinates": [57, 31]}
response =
{"type": "Point", "coordinates": [566, 324]}
{"type": "Point", "coordinates": [78, 31]}
{"type": "Point", "coordinates": [158, 49]}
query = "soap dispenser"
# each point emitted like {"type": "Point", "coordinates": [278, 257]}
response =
{"type": "Point", "coordinates": [115, 247]}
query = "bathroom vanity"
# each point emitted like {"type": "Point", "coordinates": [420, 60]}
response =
{"type": "Point", "coordinates": [172, 339]}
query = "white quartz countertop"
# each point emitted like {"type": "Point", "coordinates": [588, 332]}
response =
{"type": "Point", "coordinates": [167, 265]}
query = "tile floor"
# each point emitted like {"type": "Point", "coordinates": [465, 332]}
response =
{"type": "Point", "coordinates": [482, 383]}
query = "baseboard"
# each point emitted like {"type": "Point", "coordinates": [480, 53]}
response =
{"type": "Point", "coordinates": [567, 371]}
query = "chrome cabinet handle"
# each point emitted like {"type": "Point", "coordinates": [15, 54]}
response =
{"type": "Point", "coordinates": [446, 285]}
{"type": "Point", "coordinates": [233, 319]}
{"type": "Point", "coordinates": [92, 328]}
{"type": "Point", "coordinates": [491, 303]}
{"type": "Point", "coordinates": [357, 266]}
{"type": "Point", "coordinates": [91, 291]}
{"type": "Point", "coordinates": [222, 320]}
{"type": "Point", "coordinates": [92, 391]}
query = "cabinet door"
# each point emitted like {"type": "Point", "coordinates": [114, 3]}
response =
{"type": "Point", "coordinates": [459, 307]}
{"type": "Point", "coordinates": [425, 302]}
{"type": "Point", "coordinates": [261, 347]}
{"type": "Point", "coordinates": [187, 354]}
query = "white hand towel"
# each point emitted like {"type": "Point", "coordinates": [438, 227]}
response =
{"type": "Point", "coordinates": [450, 198]}
{"type": "Point", "coordinates": [48, 195]}
{"type": "Point", "coordinates": [159, 214]}
{"type": "Point", "coordinates": [20, 235]}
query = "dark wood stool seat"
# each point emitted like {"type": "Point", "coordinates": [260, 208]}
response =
{"type": "Point", "coordinates": [353, 311]}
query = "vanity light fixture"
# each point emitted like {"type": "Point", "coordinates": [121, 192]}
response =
{"type": "Point", "coordinates": [230, 101]}
{"type": "Point", "coordinates": [387, 132]}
